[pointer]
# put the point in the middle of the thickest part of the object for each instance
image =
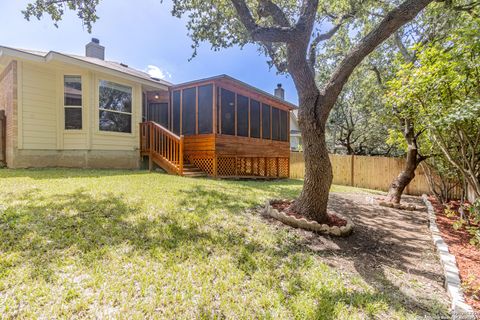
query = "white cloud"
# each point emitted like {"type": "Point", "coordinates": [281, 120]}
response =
{"type": "Point", "coordinates": [158, 73]}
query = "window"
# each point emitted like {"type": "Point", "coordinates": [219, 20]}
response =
{"type": "Point", "coordinates": [275, 124]}
{"type": "Point", "coordinates": [176, 112]}
{"type": "Point", "coordinates": [189, 97]}
{"type": "Point", "coordinates": [115, 107]}
{"type": "Point", "coordinates": [265, 121]}
{"type": "Point", "coordinates": [228, 112]}
{"type": "Point", "coordinates": [72, 92]}
{"type": "Point", "coordinates": [283, 125]}
{"type": "Point", "coordinates": [242, 116]}
{"type": "Point", "coordinates": [254, 119]}
{"type": "Point", "coordinates": [205, 108]}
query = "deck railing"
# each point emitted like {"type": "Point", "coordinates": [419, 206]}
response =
{"type": "Point", "coordinates": [162, 146]}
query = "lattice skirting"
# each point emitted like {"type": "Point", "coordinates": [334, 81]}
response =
{"type": "Point", "coordinates": [229, 165]}
{"type": "Point", "coordinates": [253, 167]}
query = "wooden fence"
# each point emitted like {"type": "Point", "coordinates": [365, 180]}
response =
{"type": "Point", "coordinates": [366, 172]}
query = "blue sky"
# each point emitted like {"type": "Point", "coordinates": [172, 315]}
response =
{"type": "Point", "coordinates": [140, 33]}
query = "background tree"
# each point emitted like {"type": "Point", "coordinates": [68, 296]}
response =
{"type": "Point", "coordinates": [443, 89]}
{"type": "Point", "coordinates": [291, 33]}
{"type": "Point", "coordinates": [432, 25]}
{"type": "Point", "coordinates": [354, 126]}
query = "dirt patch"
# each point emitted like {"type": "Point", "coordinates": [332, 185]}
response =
{"type": "Point", "coordinates": [390, 249]}
{"type": "Point", "coordinates": [467, 255]}
{"type": "Point", "coordinates": [286, 207]}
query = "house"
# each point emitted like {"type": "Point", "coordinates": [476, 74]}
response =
{"type": "Point", "coordinates": [296, 143]}
{"type": "Point", "coordinates": [66, 110]}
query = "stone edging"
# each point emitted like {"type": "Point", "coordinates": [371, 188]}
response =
{"type": "Point", "coordinates": [460, 309]}
{"type": "Point", "coordinates": [306, 224]}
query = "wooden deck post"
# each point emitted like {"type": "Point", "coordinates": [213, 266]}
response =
{"type": "Point", "coordinates": [150, 146]}
{"type": "Point", "coordinates": [215, 170]}
{"type": "Point", "coordinates": [182, 139]}
{"type": "Point", "coordinates": [278, 168]}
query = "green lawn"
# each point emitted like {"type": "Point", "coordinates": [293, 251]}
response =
{"type": "Point", "coordinates": [129, 244]}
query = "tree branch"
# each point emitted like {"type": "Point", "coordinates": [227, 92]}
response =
{"type": "Point", "coordinates": [263, 34]}
{"type": "Point", "coordinates": [396, 18]}
{"type": "Point", "coordinates": [266, 8]}
{"type": "Point", "coordinates": [312, 58]}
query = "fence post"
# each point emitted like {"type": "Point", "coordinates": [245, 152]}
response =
{"type": "Point", "coordinates": [352, 171]}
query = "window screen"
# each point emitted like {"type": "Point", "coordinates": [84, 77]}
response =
{"type": "Point", "coordinates": [115, 107]}
{"type": "Point", "coordinates": [205, 108]}
{"type": "Point", "coordinates": [73, 102]}
{"type": "Point", "coordinates": [176, 112]}
{"type": "Point", "coordinates": [228, 112]}
{"type": "Point", "coordinates": [284, 125]}
{"type": "Point", "coordinates": [242, 116]}
{"type": "Point", "coordinates": [254, 119]}
{"type": "Point", "coordinates": [275, 124]}
{"type": "Point", "coordinates": [188, 111]}
{"type": "Point", "coordinates": [265, 121]}
{"type": "Point", "coordinates": [158, 112]}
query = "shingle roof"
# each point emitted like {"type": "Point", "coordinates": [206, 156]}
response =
{"type": "Point", "coordinates": [103, 63]}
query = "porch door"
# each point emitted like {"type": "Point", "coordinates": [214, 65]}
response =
{"type": "Point", "coordinates": [158, 112]}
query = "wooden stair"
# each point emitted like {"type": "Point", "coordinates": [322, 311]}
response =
{"type": "Point", "coordinates": [165, 149]}
{"type": "Point", "coordinates": [189, 170]}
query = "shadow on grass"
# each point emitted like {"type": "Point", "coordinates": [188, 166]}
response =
{"type": "Point", "coordinates": [42, 230]}
{"type": "Point", "coordinates": [63, 173]}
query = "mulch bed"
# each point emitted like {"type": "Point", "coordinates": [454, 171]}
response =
{"type": "Point", "coordinates": [466, 254]}
{"type": "Point", "coordinates": [286, 207]}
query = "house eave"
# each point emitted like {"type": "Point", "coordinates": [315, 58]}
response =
{"type": "Point", "coordinates": [56, 56]}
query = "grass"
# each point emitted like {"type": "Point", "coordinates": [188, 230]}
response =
{"type": "Point", "coordinates": [135, 245]}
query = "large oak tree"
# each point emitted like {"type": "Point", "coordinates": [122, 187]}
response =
{"type": "Point", "coordinates": [291, 33]}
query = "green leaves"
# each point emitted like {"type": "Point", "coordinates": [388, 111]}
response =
{"type": "Point", "coordinates": [86, 10]}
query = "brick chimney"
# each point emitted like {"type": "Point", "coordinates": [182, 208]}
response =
{"type": "Point", "coordinates": [280, 92]}
{"type": "Point", "coordinates": [95, 50]}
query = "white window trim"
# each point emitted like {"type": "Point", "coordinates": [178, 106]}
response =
{"type": "Point", "coordinates": [131, 114]}
{"type": "Point", "coordinates": [73, 107]}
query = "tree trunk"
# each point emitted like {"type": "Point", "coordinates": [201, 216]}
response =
{"type": "Point", "coordinates": [313, 200]}
{"type": "Point", "coordinates": [405, 177]}
{"type": "Point", "coordinates": [412, 161]}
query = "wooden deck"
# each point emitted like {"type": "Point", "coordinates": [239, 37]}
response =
{"type": "Point", "coordinates": [216, 155]}
{"type": "Point", "coordinates": [222, 126]}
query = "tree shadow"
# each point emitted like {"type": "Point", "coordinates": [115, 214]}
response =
{"type": "Point", "coordinates": [40, 228]}
{"type": "Point", "coordinates": [386, 238]}
{"type": "Point", "coordinates": [64, 173]}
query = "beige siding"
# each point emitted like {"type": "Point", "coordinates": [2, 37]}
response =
{"type": "Point", "coordinates": [39, 107]}
{"type": "Point", "coordinates": [43, 111]}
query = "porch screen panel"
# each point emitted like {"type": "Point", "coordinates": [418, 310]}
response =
{"type": "Point", "coordinates": [283, 125]}
{"type": "Point", "coordinates": [228, 112]}
{"type": "Point", "coordinates": [176, 112]}
{"type": "Point", "coordinates": [158, 112]}
{"type": "Point", "coordinates": [266, 121]}
{"type": "Point", "coordinates": [254, 119]}
{"type": "Point", "coordinates": [205, 108]}
{"type": "Point", "coordinates": [188, 111]}
{"type": "Point", "coordinates": [242, 116]}
{"type": "Point", "coordinates": [275, 124]}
